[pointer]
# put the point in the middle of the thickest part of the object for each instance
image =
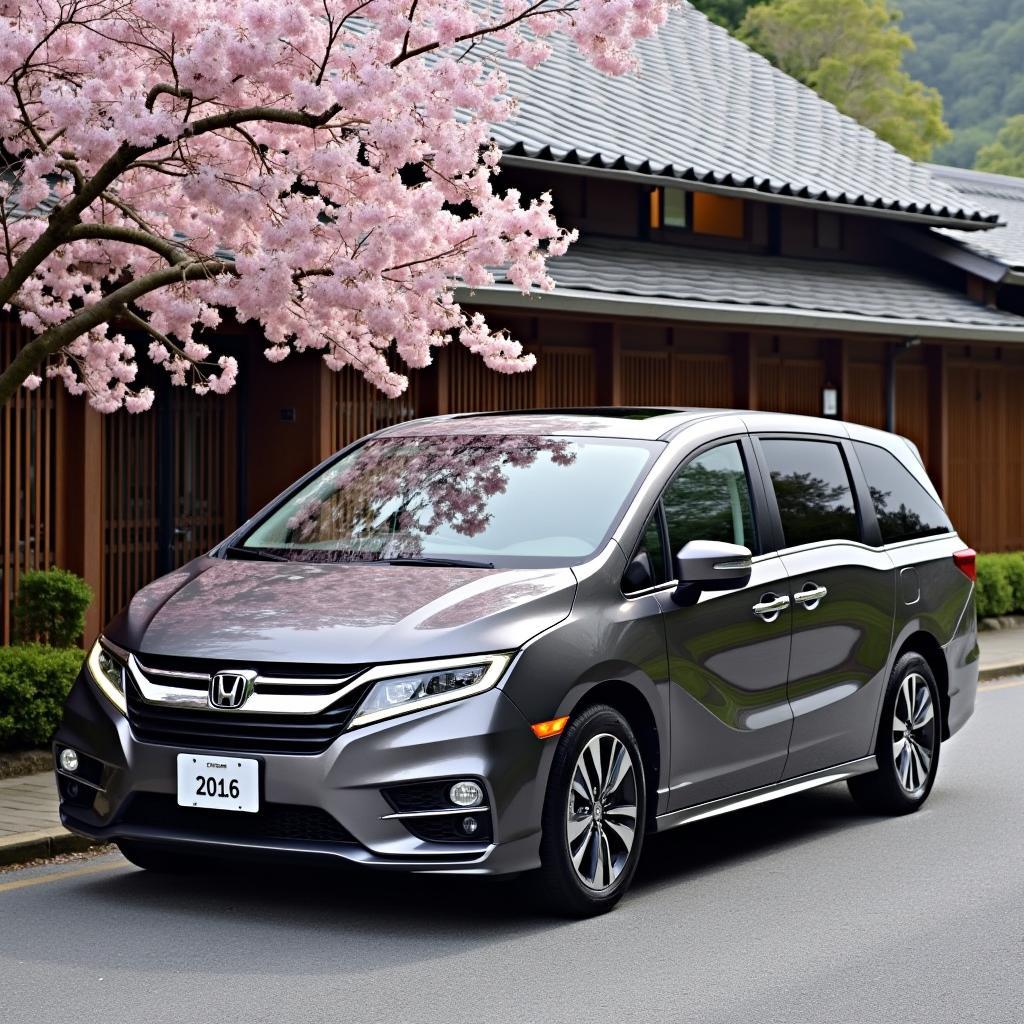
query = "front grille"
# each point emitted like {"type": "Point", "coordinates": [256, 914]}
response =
{"type": "Point", "coordinates": [280, 822]}
{"type": "Point", "coordinates": [241, 731]}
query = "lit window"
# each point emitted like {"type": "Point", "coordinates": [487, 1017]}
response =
{"type": "Point", "coordinates": [718, 215]}
{"type": "Point", "coordinates": [668, 208]}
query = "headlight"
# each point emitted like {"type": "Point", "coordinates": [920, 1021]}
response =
{"type": "Point", "coordinates": [426, 684]}
{"type": "Point", "coordinates": [106, 664]}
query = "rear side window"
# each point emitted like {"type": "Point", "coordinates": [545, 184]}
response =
{"type": "Point", "coordinates": [709, 499]}
{"type": "Point", "coordinates": [905, 510]}
{"type": "Point", "coordinates": [812, 488]}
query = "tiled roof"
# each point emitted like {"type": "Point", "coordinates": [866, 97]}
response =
{"type": "Point", "coordinates": [706, 108]}
{"type": "Point", "coordinates": [996, 192]}
{"type": "Point", "coordinates": [693, 278]}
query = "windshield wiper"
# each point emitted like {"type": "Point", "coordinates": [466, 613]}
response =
{"type": "Point", "coordinates": [255, 554]}
{"type": "Point", "coordinates": [449, 563]}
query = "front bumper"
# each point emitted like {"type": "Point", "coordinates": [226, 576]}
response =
{"type": "Point", "coordinates": [484, 737]}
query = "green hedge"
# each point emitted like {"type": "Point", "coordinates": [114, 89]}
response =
{"type": "Point", "coordinates": [1000, 589]}
{"type": "Point", "coordinates": [34, 680]}
{"type": "Point", "coordinates": [50, 607]}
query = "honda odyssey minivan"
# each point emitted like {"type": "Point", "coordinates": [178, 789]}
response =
{"type": "Point", "coordinates": [520, 643]}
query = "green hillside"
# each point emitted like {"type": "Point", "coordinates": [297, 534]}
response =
{"type": "Point", "coordinates": [972, 51]}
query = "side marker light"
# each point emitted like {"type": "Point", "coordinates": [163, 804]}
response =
{"type": "Point", "coordinates": [543, 730]}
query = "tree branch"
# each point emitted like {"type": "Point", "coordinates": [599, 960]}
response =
{"type": "Point", "coordinates": [34, 354]}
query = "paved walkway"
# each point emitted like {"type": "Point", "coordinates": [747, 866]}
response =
{"type": "Point", "coordinates": [28, 805]}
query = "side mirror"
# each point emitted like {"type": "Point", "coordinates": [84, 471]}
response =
{"type": "Point", "coordinates": [710, 565]}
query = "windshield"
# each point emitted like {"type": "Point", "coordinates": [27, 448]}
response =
{"type": "Point", "coordinates": [493, 499]}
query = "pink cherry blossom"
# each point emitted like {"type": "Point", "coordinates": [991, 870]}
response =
{"type": "Point", "coordinates": [322, 168]}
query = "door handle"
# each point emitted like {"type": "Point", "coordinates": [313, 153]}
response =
{"type": "Point", "coordinates": [810, 597]}
{"type": "Point", "coordinates": [771, 606]}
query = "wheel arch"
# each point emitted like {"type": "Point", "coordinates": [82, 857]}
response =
{"type": "Point", "coordinates": [634, 706]}
{"type": "Point", "coordinates": [925, 644]}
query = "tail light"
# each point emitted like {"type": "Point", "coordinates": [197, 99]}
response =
{"type": "Point", "coordinates": [964, 561]}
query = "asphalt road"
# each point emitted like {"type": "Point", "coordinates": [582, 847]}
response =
{"type": "Point", "coordinates": [799, 911]}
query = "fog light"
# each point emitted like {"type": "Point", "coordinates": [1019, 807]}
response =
{"type": "Point", "coordinates": [69, 760]}
{"type": "Point", "coordinates": [466, 794]}
{"type": "Point", "coordinates": [469, 826]}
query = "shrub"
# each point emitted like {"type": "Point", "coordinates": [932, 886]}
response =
{"type": "Point", "coordinates": [34, 680]}
{"type": "Point", "coordinates": [994, 591]}
{"type": "Point", "coordinates": [50, 607]}
{"type": "Point", "coordinates": [1014, 563]}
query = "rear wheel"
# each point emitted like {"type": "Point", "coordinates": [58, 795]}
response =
{"type": "Point", "coordinates": [594, 813]}
{"type": "Point", "coordinates": [909, 737]}
{"type": "Point", "coordinates": [162, 859]}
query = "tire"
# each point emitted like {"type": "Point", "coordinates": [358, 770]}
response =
{"type": "Point", "coordinates": [907, 759]}
{"type": "Point", "coordinates": [604, 839]}
{"type": "Point", "coordinates": [162, 859]}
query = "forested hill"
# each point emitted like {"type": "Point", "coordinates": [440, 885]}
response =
{"type": "Point", "coordinates": [972, 51]}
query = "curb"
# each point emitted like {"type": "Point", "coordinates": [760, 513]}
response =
{"type": "Point", "coordinates": [25, 846]}
{"type": "Point", "coordinates": [1012, 668]}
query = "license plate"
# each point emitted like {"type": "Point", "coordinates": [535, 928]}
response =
{"type": "Point", "coordinates": [225, 783]}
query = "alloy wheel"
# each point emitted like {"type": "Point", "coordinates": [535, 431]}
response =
{"type": "Point", "coordinates": [601, 815]}
{"type": "Point", "coordinates": [913, 733]}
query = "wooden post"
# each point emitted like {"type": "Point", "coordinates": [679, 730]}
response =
{"type": "Point", "coordinates": [608, 363]}
{"type": "Point", "coordinates": [938, 417]}
{"type": "Point", "coordinates": [835, 356]}
{"type": "Point", "coordinates": [81, 500]}
{"type": "Point", "coordinates": [744, 358]}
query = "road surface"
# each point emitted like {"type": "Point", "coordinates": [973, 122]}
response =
{"type": "Point", "coordinates": [799, 911]}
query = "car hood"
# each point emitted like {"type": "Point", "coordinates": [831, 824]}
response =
{"type": "Point", "coordinates": [340, 614]}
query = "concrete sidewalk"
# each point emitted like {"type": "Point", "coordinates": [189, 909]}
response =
{"type": "Point", "coordinates": [30, 826]}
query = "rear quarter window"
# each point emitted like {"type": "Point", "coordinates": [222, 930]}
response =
{"type": "Point", "coordinates": [813, 491]}
{"type": "Point", "coordinates": [905, 510]}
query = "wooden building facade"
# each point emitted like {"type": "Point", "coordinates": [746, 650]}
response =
{"type": "Point", "coordinates": [810, 262]}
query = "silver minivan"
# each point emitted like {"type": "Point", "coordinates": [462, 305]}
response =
{"type": "Point", "coordinates": [520, 642]}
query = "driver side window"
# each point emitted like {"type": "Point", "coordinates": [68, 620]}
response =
{"type": "Point", "coordinates": [709, 499]}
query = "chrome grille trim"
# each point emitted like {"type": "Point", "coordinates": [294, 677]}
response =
{"type": "Point", "coordinates": [322, 692]}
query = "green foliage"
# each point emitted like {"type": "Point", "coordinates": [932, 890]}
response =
{"type": "Point", "coordinates": [725, 12]}
{"type": "Point", "coordinates": [971, 52]}
{"type": "Point", "coordinates": [996, 592]}
{"type": "Point", "coordinates": [50, 607]}
{"type": "Point", "coordinates": [1006, 154]}
{"type": "Point", "coordinates": [851, 53]}
{"type": "Point", "coordinates": [34, 680]}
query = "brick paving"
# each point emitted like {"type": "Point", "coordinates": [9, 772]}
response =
{"type": "Point", "coordinates": [28, 804]}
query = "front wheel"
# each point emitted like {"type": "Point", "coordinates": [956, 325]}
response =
{"type": "Point", "coordinates": [909, 738]}
{"type": "Point", "coordinates": [594, 814]}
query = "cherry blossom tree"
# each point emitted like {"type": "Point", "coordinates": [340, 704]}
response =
{"type": "Point", "coordinates": [321, 167]}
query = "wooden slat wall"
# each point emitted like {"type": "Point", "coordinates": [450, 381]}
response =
{"type": "Point", "coordinates": [205, 470]}
{"type": "Point", "coordinates": [865, 394]}
{"type": "Point", "coordinates": [203, 476]}
{"type": "Point", "coordinates": [703, 381]}
{"type": "Point", "coordinates": [673, 379]}
{"type": "Point", "coordinates": [29, 432]}
{"type": "Point", "coordinates": [570, 377]}
{"type": "Point", "coordinates": [472, 387]}
{"type": "Point", "coordinates": [357, 408]}
{"type": "Point", "coordinates": [986, 451]}
{"type": "Point", "coordinates": [913, 407]}
{"type": "Point", "coordinates": [790, 385]}
{"type": "Point", "coordinates": [130, 507]}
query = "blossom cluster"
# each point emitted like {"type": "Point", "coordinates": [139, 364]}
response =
{"type": "Point", "coordinates": [323, 168]}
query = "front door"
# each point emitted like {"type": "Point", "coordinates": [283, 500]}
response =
{"type": "Point", "coordinates": [843, 599]}
{"type": "Point", "coordinates": [730, 717]}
